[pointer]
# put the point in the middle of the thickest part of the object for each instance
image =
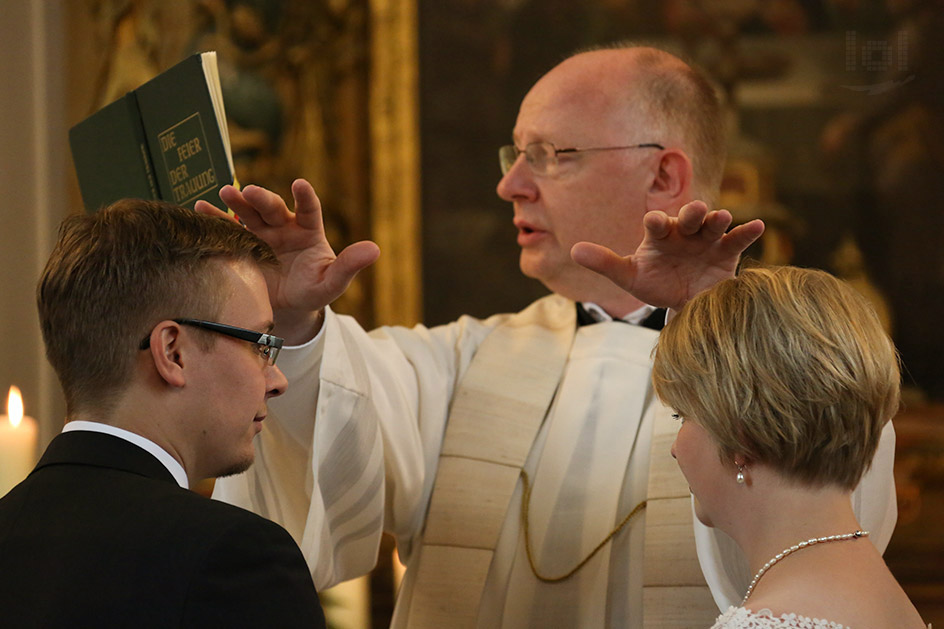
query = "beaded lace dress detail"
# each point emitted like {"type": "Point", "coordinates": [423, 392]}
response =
{"type": "Point", "coordinates": [741, 618]}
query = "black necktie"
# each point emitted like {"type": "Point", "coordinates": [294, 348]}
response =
{"type": "Point", "coordinates": [655, 320]}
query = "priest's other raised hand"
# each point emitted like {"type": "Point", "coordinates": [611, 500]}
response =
{"type": "Point", "coordinates": [678, 256]}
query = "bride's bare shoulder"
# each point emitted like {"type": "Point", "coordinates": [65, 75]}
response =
{"type": "Point", "coordinates": [855, 594]}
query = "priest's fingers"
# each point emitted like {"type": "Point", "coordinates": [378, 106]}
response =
{"type": "Point", "coordinates": [242, 207]}
{"type": "Point", "coordinates": [268, 208]}
{"type": "Point", "coordinates": [741, 237]}
{"type": "Point", "coordinates": [211, 210]}
{"type": "Point", "coordinates": [691, 218]}
{"type": "Point", "coordinates": [352, 259]}
{"type": "Point", "coordinates": [716, 223]}
{"type": "Point", "coordinates": [307, 205]}
{"type": "Point", "coordinates": [606, 262]}
{"type": "Point", "coordinates": [658, 225]}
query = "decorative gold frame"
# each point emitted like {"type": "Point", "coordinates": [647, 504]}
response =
{"type": "Point", "coordinates": [395, 154]}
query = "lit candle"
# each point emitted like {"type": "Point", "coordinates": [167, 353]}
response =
{"type": "Point", "coordinates": [17, 443]}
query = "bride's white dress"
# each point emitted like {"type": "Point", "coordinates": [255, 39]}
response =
{"type": "Point", "coordinates": [741, 618]}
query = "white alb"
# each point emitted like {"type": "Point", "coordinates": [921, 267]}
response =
{"type": "Point", "coordinates": [368, 464]}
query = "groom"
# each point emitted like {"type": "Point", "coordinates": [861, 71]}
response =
{"type": "Point", "coordinates": [156, 321]}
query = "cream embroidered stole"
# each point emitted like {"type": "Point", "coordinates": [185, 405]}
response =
{"type": "Point", "coordinates": [674, 591]}
{"type": "Point", "coordinates": [496, 413]}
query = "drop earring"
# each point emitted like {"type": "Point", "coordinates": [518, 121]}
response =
{"type": "Point", "coordinates": [740, 474]}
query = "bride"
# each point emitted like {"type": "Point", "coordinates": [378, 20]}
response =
{"type": "Point", "coordinates": [782, 379]}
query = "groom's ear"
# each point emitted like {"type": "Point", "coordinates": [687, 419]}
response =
{"type": "Point", "coordinates": [167, 354]}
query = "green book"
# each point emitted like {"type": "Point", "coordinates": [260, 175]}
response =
{"type": "Point", "coordinates": [165, 140]}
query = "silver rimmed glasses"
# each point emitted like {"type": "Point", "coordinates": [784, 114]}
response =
{"type": "Point", "coordinates": [542, 156]}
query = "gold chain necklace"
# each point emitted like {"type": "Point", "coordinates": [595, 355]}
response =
{"type": "Point", "coordinates": [792, 549]}
{"type": "Point", "coordinates": [526, 507]}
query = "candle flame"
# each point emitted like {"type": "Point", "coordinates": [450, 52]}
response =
{"type": "Point", "coordinates": [15, 406]}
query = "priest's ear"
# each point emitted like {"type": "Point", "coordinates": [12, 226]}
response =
{"type": "Point", "coordinates": [672, 181]}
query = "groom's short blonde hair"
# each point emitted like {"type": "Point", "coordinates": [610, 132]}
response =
{"type": "Point", "coordinates": [785, 366]}
{"type": "Point", "coordinates": [115, 273]}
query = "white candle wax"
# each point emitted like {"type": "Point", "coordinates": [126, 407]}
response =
{"type": "Point", "coordinates": [18, 436]}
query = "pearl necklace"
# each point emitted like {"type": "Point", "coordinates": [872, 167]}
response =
{"type": "Point", "coordinates": [792, 549]}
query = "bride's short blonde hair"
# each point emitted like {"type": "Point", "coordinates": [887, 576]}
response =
{"type": "Point", "coordinates": [785, 366]}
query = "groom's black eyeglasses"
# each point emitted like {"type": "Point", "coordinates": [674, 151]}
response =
{"type": "Point", "coordinates": [268, 345]}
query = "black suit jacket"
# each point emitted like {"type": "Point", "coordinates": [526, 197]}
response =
{"type": "Point", "coordinates": [100, 535]}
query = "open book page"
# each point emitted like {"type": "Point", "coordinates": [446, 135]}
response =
{"type": "Point", "coordinates": [212, 73]}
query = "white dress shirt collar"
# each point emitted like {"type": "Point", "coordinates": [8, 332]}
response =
{"type": "Point", "coordinates": [635, 317]}
{"type": "Point", "coordinates": [173, 465]}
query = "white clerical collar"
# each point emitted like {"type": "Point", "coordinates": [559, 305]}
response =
{"type": "Point", "coordinates": [173, 465]}
{"type": "Point", "coordinates": [635, 317]}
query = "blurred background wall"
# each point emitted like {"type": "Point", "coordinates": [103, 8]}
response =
{"type": "Point", "coordinates": [395, 109]}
